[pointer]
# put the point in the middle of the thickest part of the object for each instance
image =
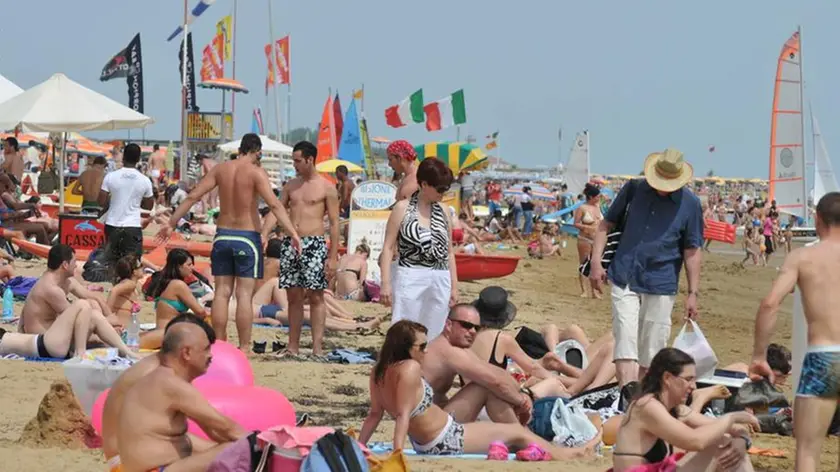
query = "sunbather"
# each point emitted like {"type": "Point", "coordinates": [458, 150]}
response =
{"type": "Point", "coordinates": [123, 299]}
{"type": "Point", "coordinates": [398, 388]}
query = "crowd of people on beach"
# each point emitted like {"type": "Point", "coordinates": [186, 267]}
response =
{"type": "Point", "coordinates": [275, 260]}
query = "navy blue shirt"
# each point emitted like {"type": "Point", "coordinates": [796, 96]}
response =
{"type": "Point", "coordinates": [657, 231]}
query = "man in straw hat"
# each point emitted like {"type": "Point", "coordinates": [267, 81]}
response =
{"type": "Point", "coordinates": [662, 229]}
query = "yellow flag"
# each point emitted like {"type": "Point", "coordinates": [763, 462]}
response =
{"type": "Point", "coordinates": [359, 94]}
{"type": "Point", "coordinates": [225, 27]}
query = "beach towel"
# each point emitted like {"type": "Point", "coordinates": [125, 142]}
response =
{"type": "Point", "coordinates": [349, 356]}
{"type": "Point", "coordinates": [15, 357]}
{"type": "Point", "coordinates": [382, 449]}
{"type": "Point", "coordinates": [21, 286]}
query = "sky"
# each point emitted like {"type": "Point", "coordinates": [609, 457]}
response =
{"type": "Point", "coordinates": [640, 76]}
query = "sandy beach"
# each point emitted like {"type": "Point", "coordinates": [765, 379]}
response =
{"type": "Point", "coordinates": [336, 395]}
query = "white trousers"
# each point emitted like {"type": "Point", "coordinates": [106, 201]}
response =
{"type": "Point", "coordinates": [641, 324]}
{"type": "Point", "coordinates": [421, 295]}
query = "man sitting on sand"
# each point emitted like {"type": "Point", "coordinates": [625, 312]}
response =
{"type": "Point", "coordinates": [48, 298]}
{"type": "Point", "coordinates": [816, 270]}
{"type": "Point", "coordinates": [152, 433]}
{"type": "Point", "coordinates": [449, 355]}
{"type": "Point", "coordinates": [113, 404]}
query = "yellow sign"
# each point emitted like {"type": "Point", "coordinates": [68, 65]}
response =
{"type": "Point", "coordinates": [208, 127]}
{"type": "Point", "coordinates": [453, 198]}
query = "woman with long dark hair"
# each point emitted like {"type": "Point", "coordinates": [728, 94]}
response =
{"type": "Point", "coordinates": [172, 295]}
{"type": "Point", "coordinates": [658, 420]}
{"type": "Point", "coordinates": [587, 218]}
{"type": "Point", "coordinates": [397, 387]}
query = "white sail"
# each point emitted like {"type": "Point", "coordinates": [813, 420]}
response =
{"type": "Point", "coordinates": [824, 179]}
{"type": "Point", "coordinates": [787, 154]}
{"type": "Point", "coordinates": [577, 169]}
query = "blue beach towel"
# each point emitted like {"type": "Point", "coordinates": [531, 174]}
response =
{"type": "Point", "coordinates": [21, 286]}
{"type": "Point", "coordinates": [384, 449]}
{"type": "Point", "coordinates": [15, 357]}
{"type": "Point", "coordinates": [349, 356]}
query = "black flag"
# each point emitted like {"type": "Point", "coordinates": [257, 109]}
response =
{"type": "Point", "coordinates": [128, 63]}
{"type": "Point", "coordinates": [191, 104]}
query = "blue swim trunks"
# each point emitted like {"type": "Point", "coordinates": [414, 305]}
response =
{"type": "Point", "coordinates": [237, 253]}
{"type": "Point", "coordinates": [820, 375]}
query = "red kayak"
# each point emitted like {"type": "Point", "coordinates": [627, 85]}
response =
{"type": "Point", "coordinates": [477, 266]}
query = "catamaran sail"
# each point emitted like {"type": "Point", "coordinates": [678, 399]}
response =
{"type": "Point", "coordinates": [577, 169]}
{"type": "Point", "coordinates": [787, 153]}
{"type": "Point", "coordinates": [824, 179]}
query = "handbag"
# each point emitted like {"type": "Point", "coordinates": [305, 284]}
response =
{"type": "Point", "coordinates": [614, 237]}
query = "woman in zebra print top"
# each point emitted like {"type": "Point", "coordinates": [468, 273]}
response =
{"type": "Point", "coordinates": [422, 283]}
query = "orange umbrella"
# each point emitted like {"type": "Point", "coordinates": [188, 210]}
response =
{"type": "Point", "coordinates": [224, 84]}
{"type": "Point", "coordinates": [381, 140]}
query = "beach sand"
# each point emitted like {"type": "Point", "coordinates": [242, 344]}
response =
{"type": "Point", "coordinates": [543, 290]}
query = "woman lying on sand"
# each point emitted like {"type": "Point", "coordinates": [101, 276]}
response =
{"type": "Point", "coordinates": [398, 388]}
{"type": "Point", "coordinates": [658, 420]}
{"type": "Point", "coordinates": [270, 303]}
{"type": "Point", "coordinates": [172, 296]}
{"type": "Point", "coordinates": [70, 330]}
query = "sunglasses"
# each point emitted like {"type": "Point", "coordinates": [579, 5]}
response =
{"type": "Point", "coordinates": [442, 189]}
{"type": "Point", "coordinates": [467, 325]}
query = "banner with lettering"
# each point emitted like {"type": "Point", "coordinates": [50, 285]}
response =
{"type": "Point", "coordinates": [191, 101]}
{"type": "Point", "coordinates": [128, 63]}
{"type": "Point", "coordinates": [370, 207]}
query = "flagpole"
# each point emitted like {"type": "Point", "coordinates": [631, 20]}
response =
{"type": "Point", "coordinates": [363, 98]}
{"type": "Point", "coordinates": [183, 163]}
{"type": "Point", "coordinates": [233, 62]}
{"type": "Point", "coordinates": [458, 133]}
{"type": "Point", "coordinates": [289, 90]}
{"type": "Point", "coordinates": [274, 66]}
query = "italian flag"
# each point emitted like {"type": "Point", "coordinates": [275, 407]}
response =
{"type": "Point", "coordinates": [447, 112]}
{"type": "Point", "coordinates": [406, 112]}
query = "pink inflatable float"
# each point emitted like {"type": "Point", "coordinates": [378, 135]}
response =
{"type": "Point", "coordinates": [229, 365]}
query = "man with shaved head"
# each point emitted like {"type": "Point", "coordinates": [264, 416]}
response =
{"type": "Point", "coordinates": [116, 396]}
{"type": "Point", "coordinates": [152, 431]}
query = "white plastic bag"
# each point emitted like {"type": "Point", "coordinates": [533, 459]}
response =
{"type": "Point", "coordinates": [695, 344]}
{"type": "Point", "coordinates": [571, 426]}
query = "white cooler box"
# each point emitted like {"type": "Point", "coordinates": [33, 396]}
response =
{"type": "Point", "coordinates": [93, 374]}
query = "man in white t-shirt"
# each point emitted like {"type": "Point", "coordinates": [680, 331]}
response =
{"type": "Point", "coordinates": [124, 192]}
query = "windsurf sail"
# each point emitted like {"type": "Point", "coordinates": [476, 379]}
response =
{"type": "Point", "coordinates": [327, 139]}
{"type": "Point", "coordinates": [824, 179]}
{"type": "Point", "coordinates": [577, 169]}
{"type": "Point", "coordinates": [787, 154]}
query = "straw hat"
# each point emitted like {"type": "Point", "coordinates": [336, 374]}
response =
{"type": "Point", "coordinates": [494, 308]}
{"type": "Point", "coordinates": [667, 171]}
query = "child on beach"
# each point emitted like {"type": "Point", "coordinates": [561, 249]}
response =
{"type": "Point", "coordinates": [751, 245]}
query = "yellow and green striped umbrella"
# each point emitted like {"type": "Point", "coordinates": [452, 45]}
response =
{"type": "Point", "coordinates": [458, 156]}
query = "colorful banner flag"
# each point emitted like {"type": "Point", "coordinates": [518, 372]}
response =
{"type": "Point", "coordinates": [202, 6]}
{"type": "Point", "coordinates": [284, 65]}
{"type": "Point", "coordinates": [327, 145]}
{"type": "Point", "coordinates": [219, 49]}
{"type": "Point", "coordinates": [270, 76]}
{"type": "Point", "coordinates": [338, 120]}
{"type": "Point", "coordinates": [257, 122]}
{"type": "Point", "coordinates": [492, 144]}
{"type": "Point", "coordinates": [128, 63]}
{"type": "Point", "coordinates": [446, 112]}
{"type": "Point", "coordinates": [408, 111]}
{"type": "Point", "coordinates": [224, 29]}
{"type": "Point", "coordinates": [210, 67]}
{"type": "Point", "coordinates": [351, 147]}
{"type": "Point", "coordinates": [370, 165]}
{"type": "Point", "coordinates": [190, 64]}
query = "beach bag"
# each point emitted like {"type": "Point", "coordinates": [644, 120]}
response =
{"type": "Point", "coordinates": [540, 423]}
{"type": "Point", "coordinates": [21, 286]}
{"type": "Point", "coordinates": [614, 237]}
{"type": "Point", "coordinates": [758, 395]}
{"type": "Point", "coordinates": [244, 455]}
{"type": "Point", "coordinates": [96, 268]}
{"type": "Point", "coordinates": [335, 452]}
{"type": "Point", "coordinates": [571, 426]}
{"type": "Point", "coordinates": [695, 344]}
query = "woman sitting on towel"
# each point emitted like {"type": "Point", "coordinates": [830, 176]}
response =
{"type": "Point", "coordinates": [122, 300]}
{"type": "Point", "coordinates": [398, 388]}
{"type": "Point", "coordinates": [658, 420]}
{"type": "Point", "coordinates": [172, 295]}
{"type": "Point", "coordinates": [70, 331]}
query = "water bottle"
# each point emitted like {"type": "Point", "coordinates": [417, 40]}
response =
{"type": "Point", "coordinates": [8, 303]}
{"type": "Point", "coordinates": [132, 338]}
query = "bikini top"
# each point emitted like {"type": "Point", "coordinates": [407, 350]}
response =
{"type": "Point", "coordinates": [503, 364]}
{"type": "Point", "coordinates": [425, 402]}
{"type": "Point", "coordinates": [176, 305]}
{"type": "Point", "coordinates": [657, 453]}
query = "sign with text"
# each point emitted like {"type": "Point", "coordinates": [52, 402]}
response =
{"type": "Point", "coordinates": [370, 207]}
{"type": "Point", "coordinates": [81, 231]}
{"type": "Point", "coordinates": [207, 127]}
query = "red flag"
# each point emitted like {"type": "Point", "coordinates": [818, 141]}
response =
{"type": "Point", "coordinates": [270, 77]}
{"type": "Point", "coordinates": [281, 58]}
{"type": "Point", "coordinates": [338, 119]}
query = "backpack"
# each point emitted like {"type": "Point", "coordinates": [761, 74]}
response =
{"type": "Point", "coordinates": [335, 452]}
{"type": "Point", "coordinates": [96, 268]}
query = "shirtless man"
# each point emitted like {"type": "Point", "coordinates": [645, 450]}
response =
{"type": "Point", "coordinates": [211, 200]}
{"type": "Point", "coordinates": [13, 160]}
{"type": "Point", "coordinates": [48, 298]}
{"type": "Point", "coordinates": [403, 159]}
{"type": "Point", "coordinates": [152, 433]}
{"type": "Point", "coordinates": [157, 166]}
{"type": "Point", "coordinates": [345, 190]}
{"type": "Point", "coordinates": [816, 270]}
{"type": "Point", "coordinates": [111, 412]}
{"type": "Point", "coordinates": [309, 197]}
{"type": "Point", "coordinates": [90, 183]}
{"type": "Point", "coordinates": [449, 355]}
{"type": "Point", "coordinates": [237, 248]}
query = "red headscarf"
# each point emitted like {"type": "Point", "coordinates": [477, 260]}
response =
{"type": "Point", "coordinates": [402, 149]}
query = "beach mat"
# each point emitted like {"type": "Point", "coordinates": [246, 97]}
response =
{"type": "Point", "coordinates": [385, 449]}
{"type": "Point", "coordinates": [15, 357]}
{"type": "Point", "coordinates": [283, 328]}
